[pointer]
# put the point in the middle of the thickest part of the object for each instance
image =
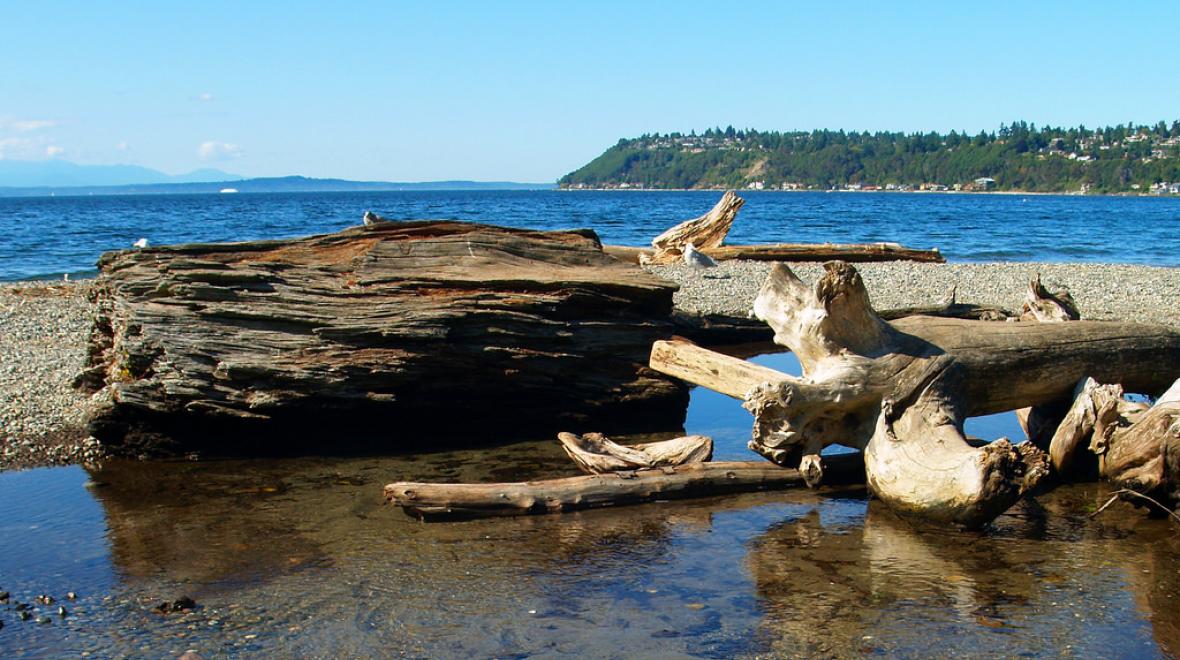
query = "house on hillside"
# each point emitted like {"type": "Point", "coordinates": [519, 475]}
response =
{"type": "Point", "coordinates": [984, 183]}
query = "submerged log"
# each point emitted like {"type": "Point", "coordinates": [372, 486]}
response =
{"type": "Point", "coordinates": [432, 501]}
{"type": "Point", "coordinates": [901, 391]}
{"type": "Point", "coordinates": [380, 331]}
{"type": "Point", "coordinates": [596, 454]}
{"type": "Point", "coordinates": [707, 231]}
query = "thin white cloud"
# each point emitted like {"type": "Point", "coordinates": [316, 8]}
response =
{"type": "Point", "coordinates": [122, 146]}
{"type": "Point", "coordinates": [25, 125]}
{"type": "Point", "coordinates": [215, 150]}
{"type": "Point", "coordinates": [53, 151]}
{"type": "Point", "coordinates": [20, 148]}
{"type": "Point", "coordinates": [204, 97]}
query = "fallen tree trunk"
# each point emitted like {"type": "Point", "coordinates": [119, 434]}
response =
{"type": "Point", "coordinates": [796, 252]}
{"type": "Point", "coordinates": [857, 252]}
{"type": "Point", "coordinates": [901, 391]}
{"type": "Point", "coordinates": [721, 329]}
{"type": "Point", "coordinates": [431, 501]}
{"type": "Point", "coordinates": [374, 334]}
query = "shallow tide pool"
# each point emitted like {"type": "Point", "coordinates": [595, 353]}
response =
{"type": "Point", "coordinates": [300, 557]}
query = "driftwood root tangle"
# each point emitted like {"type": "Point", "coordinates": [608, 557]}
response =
{"type": "Point", "coordinates": [596, 454]}
{"type": "Point", "coordinates": [1041, 305]}
{"type": "Point", "coordinates": [707, 231]}
{"type": "Point", "coordinates": [901, 391]}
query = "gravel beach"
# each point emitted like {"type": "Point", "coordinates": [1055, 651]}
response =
{"type": "Point", "coordinates": [43, 328]}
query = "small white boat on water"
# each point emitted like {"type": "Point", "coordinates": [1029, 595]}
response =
{"type": "Point", "coordinates": [228, 190]}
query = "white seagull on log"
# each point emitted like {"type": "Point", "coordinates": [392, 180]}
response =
{"type": "Point", "coordinates": [697, 259]}
{"type": "Point", "coordinates": [141, 243]}
{"type": "Point", "coordinates": [372, 219]}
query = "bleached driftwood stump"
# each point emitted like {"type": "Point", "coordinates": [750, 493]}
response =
{"type": "Point", "coordinates": [901, 391]}
{"type": "Point", "coordinates": [707, 231]}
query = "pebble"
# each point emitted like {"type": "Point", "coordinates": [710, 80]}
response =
{"type": "Point", "coordinates": [43, 336]}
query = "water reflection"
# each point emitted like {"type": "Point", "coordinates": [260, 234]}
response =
{"type": "Point", "coordinates": [300, 557]}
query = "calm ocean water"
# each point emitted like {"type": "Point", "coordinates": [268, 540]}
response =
{"type": "Point", "coordinates": [46, 237]}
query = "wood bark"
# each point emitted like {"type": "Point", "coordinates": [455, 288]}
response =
{"type": "Point", "coordinates": [1141, 451]}
{"type": "Point", "coordinates": [432, 501]}
{"type": "Point", "coordinates": [901, 391]}
{"type": "Point", "coordinates": [596, 454]}
{"type": "Point", "coordinates": [1077, 426]}
{"type": "Point", "coordinates": [374, 334]}
{"type": "Point", "coordinates": [705, 232]}
{"type": "Point", "coordinates": [721, 329]}
{"type": "Point", "coordinates": [1041, 305]}
{"type": "Point", "coordinates": [793, 252]}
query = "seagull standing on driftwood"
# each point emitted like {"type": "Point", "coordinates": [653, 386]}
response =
{"type": "Point", "coordinates": [697, 259]}
{"type": "Point", "coordinates": [372, 219]}
{"type": "Point", "coordinates": [141, 243]}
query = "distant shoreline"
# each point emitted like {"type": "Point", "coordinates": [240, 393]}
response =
{"type": "Point", "coordinates": [873, 192]}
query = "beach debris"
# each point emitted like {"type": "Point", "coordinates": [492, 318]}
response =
{"type": "Point", "coordinates": [439, 501]}
{"type": "Point", "coordinates": [900, 391]}
{"type": "Point", "coordinates": [141, 243]}
{"type": "Point", "coordinates": [596, 454]}
{"type": "Point", "coordinates": [1041, 305]}
{"type": "Point", "coordinates": [707, 231]}
{"type": "Point", "coordinates": [697, 259]}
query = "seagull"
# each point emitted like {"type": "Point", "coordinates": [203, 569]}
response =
{"type": "Point", "coordinates": [141, 243]}
{"type": "Point", "coordinates": [697, 259]}
{"type": "Point", "coordinates": [372, 219]}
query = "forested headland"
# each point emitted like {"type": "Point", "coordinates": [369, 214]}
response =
{"type": "Point", "coordinates": [1017, 157]}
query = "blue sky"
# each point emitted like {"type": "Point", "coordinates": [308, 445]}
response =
{"type": "Point", "coordinates": [529, 91]}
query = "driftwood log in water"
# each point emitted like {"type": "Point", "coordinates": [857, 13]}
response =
{"type": "Point", "coordinates": [901, 391]}
{"type": "Point", "coordinates": [395, 332]}
{"type": "Point", "coordinates": [434, 501]}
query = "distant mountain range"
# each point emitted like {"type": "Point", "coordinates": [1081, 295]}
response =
{"type": "Point", "coordinates": [55, 177]}
{"type": "Point", "coordinates": [60, 173]}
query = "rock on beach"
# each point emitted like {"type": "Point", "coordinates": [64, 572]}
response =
{"type": "Point", "coordinates": [44, 327]}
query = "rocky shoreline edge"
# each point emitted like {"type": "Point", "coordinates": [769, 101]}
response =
{"type": "Point", "coordinates": [44, 327]}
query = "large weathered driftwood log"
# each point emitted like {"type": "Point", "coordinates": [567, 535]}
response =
{"type": "Point", "coordinates": [902, 390]}
{"type": "Point", "coordinates": [705, 232]}
{"type": "Point", "coordinates": [378, 332]}
{"type": "Point", "coordinates": [432, 501]}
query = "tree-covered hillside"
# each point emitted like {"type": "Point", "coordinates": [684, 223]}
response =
{"type": "Point", "coordinates": [1019, 156]}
